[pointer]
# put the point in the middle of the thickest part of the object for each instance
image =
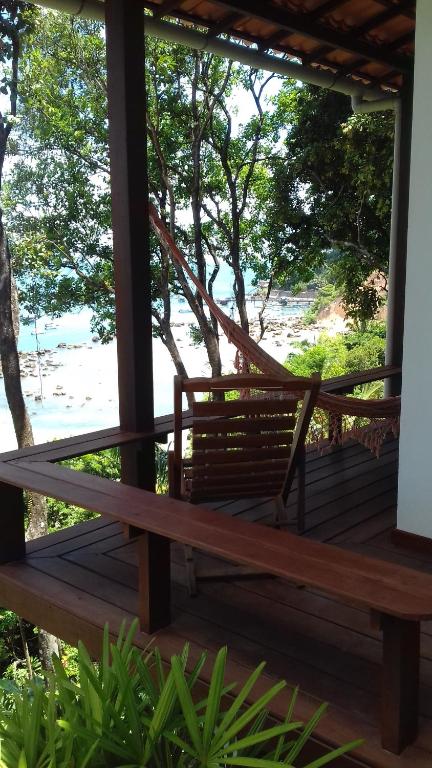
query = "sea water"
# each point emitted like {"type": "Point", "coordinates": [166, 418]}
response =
{"type": "Point", "coordinates": [70, 387]}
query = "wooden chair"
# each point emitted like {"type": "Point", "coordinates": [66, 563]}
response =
{"type": "Point", "coordinates": [249, 447]}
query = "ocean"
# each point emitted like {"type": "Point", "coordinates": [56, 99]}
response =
{"type": "Point", "coordinates": [71, 386]}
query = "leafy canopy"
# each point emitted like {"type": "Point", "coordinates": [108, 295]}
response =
{"type": "Point", "coordinates": [331, 194]}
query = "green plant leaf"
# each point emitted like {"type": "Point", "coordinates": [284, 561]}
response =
{"type": "Point", "coordinates": [240, 699]}
{"type": "Point", "coordinates": [251, 712]}
{"type": "Point", "coordinates": [187, 705]}
{"type": "Point", "coordinates": [214, 697]}
{"type": "Point", "coordinates": [331, 756]}
{"type": "Point", "coordinates": [262, 736]}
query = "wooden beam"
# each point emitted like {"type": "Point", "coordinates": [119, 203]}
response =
{"type": "Point", "coordinates": [399, 235]}
{"type": "Point", "coordinates": [382, 18]}
{"type": "Point", "coordinates": [324, 8]}
{"type": "Point", "coordinates": [131, 231]}
{"type": "Point", "coordinates": [317, 54]}
{"type": "Point", "coordinates": [400, 683]}
{"type": "Point", "coordinates": [299, 23]}
{"type": "Point", "coordinates": [12, 539]}
{"type": "Point", "coordinates": [224, 25]}
{"type": "Point", "coordinates": [408, 12]}
{"type": "Point", "coordinates": [408, 37]}
{"type": "Point", "coordinates": [165, 8]}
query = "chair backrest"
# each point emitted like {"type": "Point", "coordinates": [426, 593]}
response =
{"type": "Point", "coordinates": [246, 447]}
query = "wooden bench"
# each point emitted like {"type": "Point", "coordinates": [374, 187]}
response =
{"type": "Point", "coordinates": [398, 598]}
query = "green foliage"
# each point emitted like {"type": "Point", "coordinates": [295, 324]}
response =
{"type": "Point", "coordinates": [12, 663]}
{"type": "Point", "coordinates": [102, 464]}
{"type": "Point", "coordinates": [331, 194]}
{"type": "Point", "coordinates": [58, 201]}
{"type": "Point", "coordinates": [326, 294]}
{"type": "Point", "coordinates": [336, 355]}
{"type": "Point", "coordinates": [129, 710]}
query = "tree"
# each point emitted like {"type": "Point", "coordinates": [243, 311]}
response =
{"type": "Point", "coordinates": [204, 174]}
{"type": "Point", "coordinates": [331, 193]}
{"type": "Point", "coordinates": [15, 21]}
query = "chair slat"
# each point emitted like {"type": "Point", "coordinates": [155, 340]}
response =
{"type": "Point", "coordinates": [247, 424]}
{"type": "Point", "coordinates": [244, 407]}
{"type": "Point", "coordinates": [231, 442]}
{"type": "Point", "coordinates": [225, 469]}
{"type": "Point", "coordinates": [239, 479]}
{"type": "Point", "coordinates": [248, 454]}
{"type": "Point", "coordinates": [234, 492]}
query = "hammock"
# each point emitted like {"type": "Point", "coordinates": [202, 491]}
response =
{"type": "Point", "coordinates": [382, 415]}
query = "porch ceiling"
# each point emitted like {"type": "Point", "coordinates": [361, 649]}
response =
{"type": "Point", "coordinates": [371, 41]}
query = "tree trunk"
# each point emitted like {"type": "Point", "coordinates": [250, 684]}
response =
{"type": "Point", "coordinates": [9, 351]}
{"type": "Point", "coordinates": [171, 345]}
{"type": "Point", "coordinates": [9, 325]}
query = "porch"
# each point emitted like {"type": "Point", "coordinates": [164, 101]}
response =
{"type": "Point", "coordinates": [74, 581]}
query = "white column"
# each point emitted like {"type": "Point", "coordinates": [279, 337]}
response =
{"type": "Point", "coordinates": [415, 469]}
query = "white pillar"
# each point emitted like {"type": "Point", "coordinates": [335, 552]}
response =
{"type": "Point", "coordinates": [415, 468]}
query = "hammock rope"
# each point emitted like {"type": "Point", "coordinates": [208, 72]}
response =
{"type": "Point", "coordinates": [382, 413]}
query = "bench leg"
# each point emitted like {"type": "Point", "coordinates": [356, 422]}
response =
{"type": "Point", "coordinates": [154, 582]}
{"type": "Point", "coordinates": [400, 682]}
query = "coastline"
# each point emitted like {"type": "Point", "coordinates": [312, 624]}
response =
{"type": "Point", "coordinates": [72, 387]}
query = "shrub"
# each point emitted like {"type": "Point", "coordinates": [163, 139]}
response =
{"type": "Point", "coordinates": [103, 464]}
{"type": "Point", "coordinates": [130, 710]}
{"type": "Point", "coordinates": [336, 355]}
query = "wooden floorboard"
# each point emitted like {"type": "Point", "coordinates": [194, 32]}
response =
{"type": "Point", "coordinates": [73, 581]}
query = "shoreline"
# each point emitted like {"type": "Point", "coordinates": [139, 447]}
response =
{"type": "Point", "coordinates": [72, 388]}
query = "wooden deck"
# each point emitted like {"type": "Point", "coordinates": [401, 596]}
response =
{"type": "Point", "coordinates": [73, 582]}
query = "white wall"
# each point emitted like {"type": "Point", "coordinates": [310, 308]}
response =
{"type": "Point", "coordinates": [415, 473]}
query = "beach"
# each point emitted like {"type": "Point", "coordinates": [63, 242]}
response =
{"type": "Point", "coordinates": [69, 379]}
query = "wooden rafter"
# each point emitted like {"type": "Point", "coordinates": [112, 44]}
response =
{"type": "Point", "coordinates": [318, 55]}
{"type": "Point", "coordinates": [225, 24]}
{"type": "Point", "coordinates": [408, 12]}
{"type": "Point", "coordinates": [408, 37]}
{"type": "Point", "coordinates": [324, 8]}
{"type": "Point", "coordinates": [165, 8]}
{"type": "Point", "coordinates": [300, 24]}
{"type": "Point", "coordinates": [382, 18]}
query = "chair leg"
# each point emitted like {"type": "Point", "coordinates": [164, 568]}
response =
{"type": "Point", "coordinates": [190, 571]}
{"type": "Point", "coordinates": [301, 492]}
{"type": "Point", "coordinates": [280, 514]}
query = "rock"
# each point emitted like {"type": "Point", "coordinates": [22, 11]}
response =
{"type": "Point", "coordinates": [95, 339]}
